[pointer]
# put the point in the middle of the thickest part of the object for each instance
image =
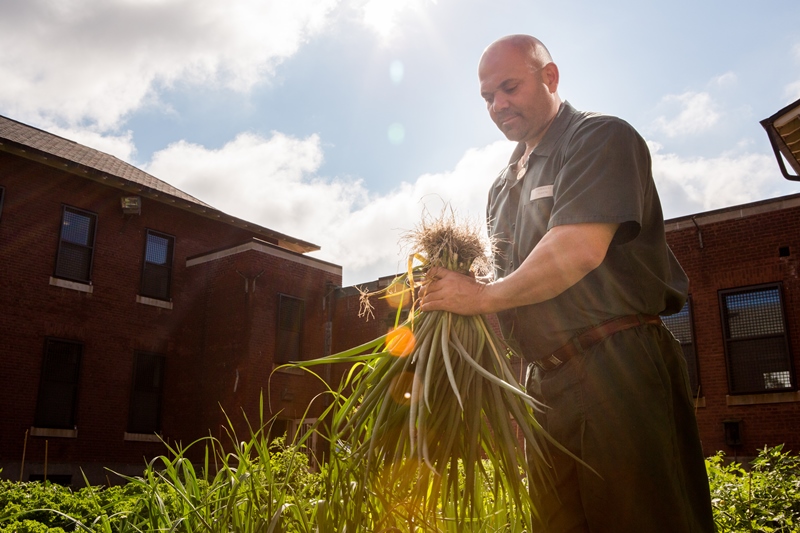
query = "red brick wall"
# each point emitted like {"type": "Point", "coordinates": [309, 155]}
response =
{"type": "Point", "coordinates": [213, 329]}
{"type": "Point", "coordinates": [735, 253]}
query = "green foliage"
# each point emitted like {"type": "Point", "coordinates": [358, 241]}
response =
{"type": "Point", "coordinates": [252, 486]}
{"type": "Point", "coordinates": [765, 498]}
{"type": "Point", "coordinates": [269, 487]}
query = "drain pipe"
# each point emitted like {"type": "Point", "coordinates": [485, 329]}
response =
{"type": "Point", "coordinates": [699, 232]}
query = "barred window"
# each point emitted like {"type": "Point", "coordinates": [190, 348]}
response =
{"type": "Point", "coordinates": [148, 381]}
{"type": "Point", "coordinates": [682, 327]}
{"type": "Point", "coordinates": [76, 245]}
{"type": "Point", "coordinates": [756, 342]}
{"type": "Point", "coordinates": [291, 315]}
{"type": "Point", "coordinates": [157, 268]}
{"type": "Point", "coordinates": [58, 385]}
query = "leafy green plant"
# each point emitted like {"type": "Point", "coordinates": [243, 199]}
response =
{"type": "Point", "coordinates": [264, 486]}
{"type": "Point", "coordinates": [426, 407]}
{"type": "Point", "coordinates": [250, 485]}
{"type": "Point", "coordinates": [763, 498]}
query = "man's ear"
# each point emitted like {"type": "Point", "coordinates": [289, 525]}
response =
{"type": "Point", "coordinates": [551, 76]}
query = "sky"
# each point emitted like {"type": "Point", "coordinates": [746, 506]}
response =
{"type": "Point", "coordinates": [342, 122]}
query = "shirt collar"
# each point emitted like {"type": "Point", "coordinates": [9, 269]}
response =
{"type": "Point", "coordinates": [557, 128]}
{"type": "Point", "coordinates": [559, 125]}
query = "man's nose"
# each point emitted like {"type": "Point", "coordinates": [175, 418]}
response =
{"type": "Point", "coordinates": [499, 103]}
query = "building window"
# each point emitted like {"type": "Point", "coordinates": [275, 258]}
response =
{"type": "Point", "coordinates": [291, 313]}
{"type": "Point", "coordinates": [304, 436]}
{"type": "Point", "coordinates": [58, 385]}
{"type": "Point", "coordinates": [157, 269]}
{"type": "Point", "coordinates": [2, 197]}
{"type": "Point", "coordinates": [76, 245]}
{"type": "Point", "coordinates": [756, 343]}
{"type": "Point", "coordinates": [682, 327]}
{"type": "Point", "coordinates": [148, 381]}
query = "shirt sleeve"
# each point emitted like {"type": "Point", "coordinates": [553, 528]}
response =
{"type": "Point", "coordinates": [605, 173]}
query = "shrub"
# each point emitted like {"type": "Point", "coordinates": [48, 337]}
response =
{"type": "Point", "coordinates": [764, 498]}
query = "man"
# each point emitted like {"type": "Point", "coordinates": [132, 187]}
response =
{"type": "Point", "coordinates": [582, 273]}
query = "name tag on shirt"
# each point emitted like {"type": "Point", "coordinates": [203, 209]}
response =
{"type": "Point", "coordinates": [545, 191]}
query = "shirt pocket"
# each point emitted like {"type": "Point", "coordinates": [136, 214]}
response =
{"type": "Point", "coordinates": [539, 206]}
{"type": "Point", "coordinates": [534, 219]}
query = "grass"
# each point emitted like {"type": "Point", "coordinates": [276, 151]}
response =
{"type": "Point", "coordinates": [270, 487]}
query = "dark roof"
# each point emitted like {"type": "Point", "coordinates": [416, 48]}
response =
{"type": "Point", "coordinates": [81, 160]}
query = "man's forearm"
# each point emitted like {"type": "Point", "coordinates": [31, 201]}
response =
{"type": "Point", "coordinates": [561, 259]}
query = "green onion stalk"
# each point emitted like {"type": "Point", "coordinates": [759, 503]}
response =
{"type": "Point", "coordinates": [426, 431]}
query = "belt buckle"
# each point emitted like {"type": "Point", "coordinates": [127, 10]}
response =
{"type": "Point", "coordinates": [550, 362]}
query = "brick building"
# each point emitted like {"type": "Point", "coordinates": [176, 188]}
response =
{"type": "Point", "coordinates": [129, 309]}
{"type": "Point", "coordinates": [741, 327]}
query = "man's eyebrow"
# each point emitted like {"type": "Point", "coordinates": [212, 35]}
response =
{"type": "Point", "coordinates": [502, 86]}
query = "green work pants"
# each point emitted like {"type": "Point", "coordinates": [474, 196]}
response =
{"type": "Point", "coordinates": [624, 408]}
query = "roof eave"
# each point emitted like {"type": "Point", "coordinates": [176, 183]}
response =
{"type": "Point", "coordinates": [118, 182]}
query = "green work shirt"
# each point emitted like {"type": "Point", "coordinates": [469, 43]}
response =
{"type": "Point", "coordinates": [588, 168]}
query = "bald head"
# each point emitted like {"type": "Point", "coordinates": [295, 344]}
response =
{"type": "Point", "coordinates": [529, 48]}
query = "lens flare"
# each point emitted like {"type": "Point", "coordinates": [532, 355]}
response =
{"type": "Point", "coordinates": [400, 342]}
{"type": "Point", "coordinates": [398, 295]}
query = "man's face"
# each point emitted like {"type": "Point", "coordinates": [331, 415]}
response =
{"type": "Point", "coordinates": [516, 94]}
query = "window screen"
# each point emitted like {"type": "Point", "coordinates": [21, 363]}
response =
{"type": "Point", "coordinates": [58, 385]}
{"type": "Point", "coordinates": [157, 269]}
{"type": "Point", "coordinates": [291, 314]}
{"type": "Point", "coordinates": [76, 245]}
{"type": "Point", "coordinates": [148, 379]}
{"type": "Point", "coordinates": [680, 324]}
{"type": "Point", "coordinates": [756, 344]}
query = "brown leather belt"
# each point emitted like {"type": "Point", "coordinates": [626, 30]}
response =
{"type": "Point", "coordinates": [589, 338]}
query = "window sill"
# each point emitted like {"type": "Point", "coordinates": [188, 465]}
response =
{"type": "Point", "coordinates": [154, 302]}
{"type": "Point", "coordinates": [53, 432]}
{"type": "Point", "coordinates": [141, 437]}
{"type": "Point", "coordinates": [758, 399]}
{"type": "Point", "coordinates": [73, 285]}
{"type": "Point", "coordinates": [700, 402]}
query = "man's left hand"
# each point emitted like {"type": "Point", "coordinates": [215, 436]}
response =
{"type": "Point", "coordinates": [446, 290]}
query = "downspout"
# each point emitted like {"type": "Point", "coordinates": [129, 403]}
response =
{"type": "Point", "coordinates": [699, 232]}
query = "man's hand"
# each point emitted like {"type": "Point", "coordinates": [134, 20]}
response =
{"type": "Point", "coordinates": [446, 290]}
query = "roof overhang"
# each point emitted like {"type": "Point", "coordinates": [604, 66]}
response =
{"type": "Point", "coordinates": [783, 130]}
{"type": "Point", "coordinates": [132, 187]}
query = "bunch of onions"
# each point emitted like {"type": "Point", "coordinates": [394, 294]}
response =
{"type": "Point", "coordinates": [429, 406]}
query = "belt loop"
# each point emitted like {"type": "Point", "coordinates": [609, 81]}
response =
{"type": "Point", "coordinates": [576, 342]}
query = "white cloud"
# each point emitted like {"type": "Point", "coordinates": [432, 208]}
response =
{"type": "Point", "coordinates": [383, 16]}
{"type": "Point", "coordinates": [725, 80]}
{"type": "Point", "coordinates": [696, 112]}
{"type": "Point", "coordinates": [272, 181]}
{"type": "Point", "coordinates": [697, 184]}
{"type": "Point", "coordinates": [94, 61]}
